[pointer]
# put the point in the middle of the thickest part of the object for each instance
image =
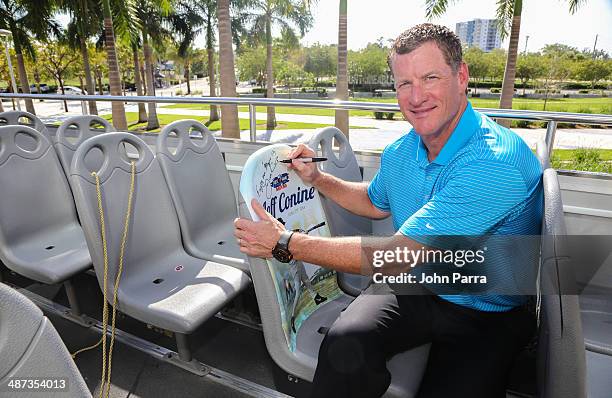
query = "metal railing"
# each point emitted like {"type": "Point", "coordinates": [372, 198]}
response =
{"type": "Point", "coordinates": [552, 118]}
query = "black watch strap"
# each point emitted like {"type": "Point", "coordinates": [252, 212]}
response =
{"type": "Point", "coordinates": [285, 237]}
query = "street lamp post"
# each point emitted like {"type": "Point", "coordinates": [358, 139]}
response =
{"type": "Point", "coordinates": [6, 34]}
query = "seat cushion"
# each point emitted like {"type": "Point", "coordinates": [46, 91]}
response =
{"type": "Point", "coordinates": [50, 256]}
{"type": "Point", "coordinates": [179, 292]}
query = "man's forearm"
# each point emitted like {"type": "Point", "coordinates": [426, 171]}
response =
{"type": "Point", "coordinates": [353, 196]}
{"type": "Point", "coordinates": [354, 254]}
{"type": "Point", "coordinates": [341, 254]}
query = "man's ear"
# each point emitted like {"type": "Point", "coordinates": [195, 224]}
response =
{"type": "Point", "coordinates": [464, 75]}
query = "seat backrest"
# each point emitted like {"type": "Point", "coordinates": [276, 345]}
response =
{"type": "Point", "coordinates": [198, 180]}
{"type": "Point", "coordinates": [23, 118]}
{"type": "Point", "coordinates": [85, 127]}
{"type": "Point", "coordinates": [561, 350]}
{"type": "Point", "coordinates": [34, 192]}
{"type": "Point", "coordinates": [542, 154]}
{"type": "Point", "coordinates": [287, 294]}
{"type": "Point", "coordinates": [343, 165]}
{"type": "Point", "coordinates": [30, 346]}
{"type": "Point", "coordinates": [154, 231]}
{"type": "Point", "coordinates": [342, 222]}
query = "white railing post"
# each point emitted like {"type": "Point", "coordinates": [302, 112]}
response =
{"type": "Point", "coordinates": [551, 129]}
{"type": "Point", "coordinates": [252, 123]}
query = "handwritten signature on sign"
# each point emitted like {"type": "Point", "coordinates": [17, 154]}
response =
{"type": "Point", "coordinates": [264, 184]}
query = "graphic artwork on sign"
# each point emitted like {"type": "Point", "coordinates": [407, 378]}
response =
{"type": "Point", "coordinates": [300, 287]}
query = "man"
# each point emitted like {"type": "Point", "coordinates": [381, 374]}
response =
{"type": "Point", "coordinates": [455, 173]}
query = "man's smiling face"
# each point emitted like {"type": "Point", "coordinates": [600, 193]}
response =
{"type": "Point", "coordinates": [429, 93]}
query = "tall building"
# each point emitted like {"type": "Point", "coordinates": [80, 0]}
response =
{"type": "Point", "coordinates": [482, 33]}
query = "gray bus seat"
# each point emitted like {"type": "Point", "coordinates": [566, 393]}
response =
{"type": "Point", "coordinates": [31, 348]}
{"type": "Point", "coordinates": [161, 284]}
{"type": "Point", "coordinates": [561, 351]}
{"type": "Point", "coordinates": [13, 118]}
{"type": "Point", "coordinates": [202, 192]}
{"type": "Point", "coordinates": [40, 237]}
{"type": "Point", "coordinates": [85, 127]}
{"type": "Point", "coordinates": [542, 154]}
{"type": "Point", "coordinates": [342, 222]}
{"type": "Point", "coordinates": [300, 359]}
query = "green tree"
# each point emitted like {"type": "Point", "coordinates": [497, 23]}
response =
{"type": "Point", "coordinates": [292, 75]}
{"type": "Point", "coordinates": [25, 19]}
{"type": "Point", "coordinates": [285, 13]}
{"type": "Point", "coordinates": [529, 67]}
{"type": "Point", "coordinates": [478, 65]}
{"type": "Point", "coordinates": [86, 17]}
{"type": "Point", "coordinates": [497, 63]}
{"type": "Point", "coordinates": [320, 61]}
{"type": "Point", "coordinates": [557, 67]}
{"type": "Point", "coordinates": [509, 19]}
{"type": "Point", "coordinates": [368, 65]}
{"type": "Point", "coordinates": [57, 59]}
{"type": "Point", "coordinates": [251, 64]}
{"type": "Point", "coordinates": [594, 70]}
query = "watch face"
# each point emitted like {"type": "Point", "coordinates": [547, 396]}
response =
{"type": "Point", "coordinates": [282, 255]}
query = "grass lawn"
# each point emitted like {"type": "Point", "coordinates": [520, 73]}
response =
{"type": "Point", "coordinates": [132, 118]}
{"type": "Point", "coordinates": [586, 159]}
{"type": "Point", "coordinates": [570, 154]}
{"type": "Point", "coordinates": [574, 105]}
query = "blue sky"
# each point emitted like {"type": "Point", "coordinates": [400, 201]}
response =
{"type": "Point", "coordinates": [545, 21]}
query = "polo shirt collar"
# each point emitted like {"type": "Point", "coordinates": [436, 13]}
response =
{"type": "Point", "coordinates": [465, 129]}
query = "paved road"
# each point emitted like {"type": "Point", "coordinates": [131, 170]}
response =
{"type": "Point", "coordinates": [374, 134]}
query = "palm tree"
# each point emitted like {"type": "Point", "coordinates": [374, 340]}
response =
{"type": "Point", "coordinates": [151, 15]}
{"type": "Point", "coordinates": [142, 113]}
{"type": "Point", "coordinates": [210, 52]}
{"type": "Point", "coordinates": [282, 12]}
{"type": "Point", "coordinates": [114, 76]}
{"type": "Point", "coordinates": [342, 117]}
{"type": "Point", "coordinates": [86, 17]}
{"type": "Point", "coordinates": [187, 22]}
{"type": "Point", "coordinates": [127, 26]}
{"type": "Point", "coordinates": [508, 17]}
{"type": "Point", "coordinates": [229, 113]}
{"type": "Point", "coordinates": [24, 19]}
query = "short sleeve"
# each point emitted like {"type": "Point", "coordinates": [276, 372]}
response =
{"type": "Point", "coordinates": [377, 190]}
{"type": "Point", "coordinates": [476, 198]}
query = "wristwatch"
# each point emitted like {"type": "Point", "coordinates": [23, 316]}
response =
{"type": "Point", "coordinates": [281, 250]}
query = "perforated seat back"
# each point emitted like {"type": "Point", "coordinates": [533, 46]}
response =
{"type": "Point", "coordinates": [31, 348]}
{"type": "Point", "coordinates": [85, 127]}
{"type": "Point", "coordinates": [561, 351]}
{"type": "Point", "coordinates": [154, 231]}
{"type": "Point", "coordinates": [342, 222]}
{"type": "Point", "coordinates": [201, 189]}
{"type": "Point", "coordinates": [13, 118]}
{"type": "Point", "coordinates": [280, 287]}
{"type": "Point", "coordinates": [34, 194]}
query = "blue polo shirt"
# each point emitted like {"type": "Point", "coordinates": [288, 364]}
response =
{"type": "Point", "coordinates": [484, 181]}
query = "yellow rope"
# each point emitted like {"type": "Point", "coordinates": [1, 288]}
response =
{"type": "Point", "coordinates": [126, 226]}
{"type": "Point", "coordinates": [106, 376]}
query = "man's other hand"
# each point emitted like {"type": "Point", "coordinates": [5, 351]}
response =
{"type": "Point", "coordinates": [308, 172]}
{"type": "Point", "coordinates": [258, 238]}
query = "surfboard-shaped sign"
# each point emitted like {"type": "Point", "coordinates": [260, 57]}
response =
{"type": "Point", "coordinates": [301, 288]}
